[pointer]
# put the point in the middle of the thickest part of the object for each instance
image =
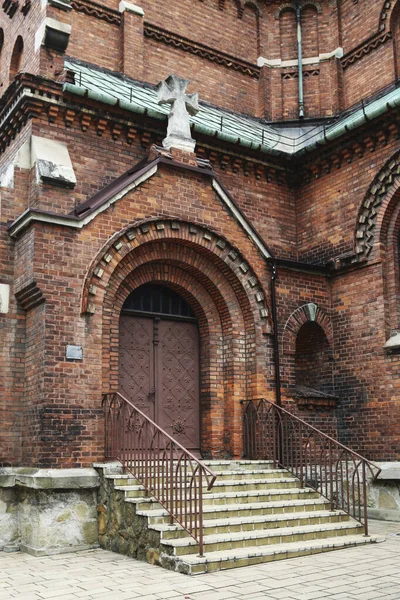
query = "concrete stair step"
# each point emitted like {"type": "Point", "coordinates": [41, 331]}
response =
{"type": "Point", "coordinates": [264, 495]}
{"type": "Point", "coordinates": [231, 475]}
{"type": "Point", "coordinates": [132, 491]}
{"type": "Point", "coordinates": [254, 523]}
{"type": "Point", "coordinates": [222, 465]}
{"type": "Point", "coordinates": [232, 511]}
{"type": "Point", "coordinates": [240, 557]}
{"type": "Point", "coordinates": [241, 539]}
{"type": "Point", "coordinates": [235, 497]}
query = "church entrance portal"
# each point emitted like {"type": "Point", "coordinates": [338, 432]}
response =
{"type": "Point", "coordinates": [159, 361]}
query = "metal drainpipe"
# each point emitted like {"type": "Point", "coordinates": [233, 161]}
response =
{"type": "Point", "coordinates": [300, 59]}
{"type": "Point", "coordinates": [274, 275]}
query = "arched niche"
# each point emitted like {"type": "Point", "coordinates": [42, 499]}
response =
{"type": "Point", "coordinates": [313, 360]}
{"type": "Point", "coordinates": [16, 58]}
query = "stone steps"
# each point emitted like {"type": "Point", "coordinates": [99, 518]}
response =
{"type": "Point", "coordinates": [254, 513]}
{"type": "Point", "coordinates": [232, 511]}
{"type": "Point", "coordinates": [231, 541]}
{"type": "Point", "coordinates": [253, 523]}
{"type": "Point", "coordinates": [243, 557]}
{"type": "Point", "coordinates": [228, 486]}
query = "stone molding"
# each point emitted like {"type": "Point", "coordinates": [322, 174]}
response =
{"type": "Point", "coordinates": [304, 314]}
{"type": "Point", "coordinates": [49, 479]}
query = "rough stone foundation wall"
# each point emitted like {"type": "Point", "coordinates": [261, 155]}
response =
{"type": "Point", "coordinates": [48, 512]}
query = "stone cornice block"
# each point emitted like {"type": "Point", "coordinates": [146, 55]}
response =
{"type": "Point", "coordinates": [133, 8]}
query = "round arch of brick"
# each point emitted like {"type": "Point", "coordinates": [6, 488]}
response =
{"type": "Point", "coordinates": [207, 242]}
{"type": "Point", "coordinates": [303, 4]}
{"type": "Point", "coordinates": [304, 314]}
{"type": "Point", "coordinates": [214, 279]}
{"type": "Point", "coordinates": [377, 206]}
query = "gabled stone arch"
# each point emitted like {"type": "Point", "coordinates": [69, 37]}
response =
{"type": "Point", "coordinates": [375, 205]}
{"type": "Point", "coordinates": [204, 239]}
{"type": "Point", "coordinates": [305, 314]}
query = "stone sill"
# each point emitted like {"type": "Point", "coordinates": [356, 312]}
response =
{"type": "Point", "coordinates": [49, 479]}
{"type": "Point", "coordinates": [390, 471]}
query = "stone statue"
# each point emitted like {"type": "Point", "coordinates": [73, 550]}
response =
{"type": "Point", "coordinates": [172, 91]}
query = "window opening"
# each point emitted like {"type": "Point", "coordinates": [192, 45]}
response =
{"type": "Point", "coordinates": [154, 299]}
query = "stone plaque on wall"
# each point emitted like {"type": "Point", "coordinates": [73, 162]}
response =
{"type": "Point", "coordinates": [4, 298]}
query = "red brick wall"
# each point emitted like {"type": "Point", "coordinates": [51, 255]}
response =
{"type": "Point", "coordinates": [328, 206]}
{"type": "Point", "coordinates": [366, 378]}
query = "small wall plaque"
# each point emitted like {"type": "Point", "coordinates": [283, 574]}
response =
{"type": "Point", "coordinates": [74, 353]}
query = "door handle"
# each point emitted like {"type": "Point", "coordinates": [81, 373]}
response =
{"type": "Point", "coordinates": [152, 395]}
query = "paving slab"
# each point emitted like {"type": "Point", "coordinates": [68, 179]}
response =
{"type": "Point", "coordinates": [369, 572]}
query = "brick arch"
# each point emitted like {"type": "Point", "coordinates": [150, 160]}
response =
{"type": "Point", "coordinates": [303, 4]}
{"type": "Point", "coordinates": [215, 280]}
{"type": "Point", "coordinates": [376, 207]}
{"type": "Point", "coordinates": [214, 396]}
{"type": "Point", "coordinates": [390, 240]}
{"type": "Point", "coordinates": [250, 8]}
{"type": "Point", "coordinates": [304, 314]}
{"type": "Point", "coordinates": [16, 58]}
{"type": "Point", "coordinates": [221, 252]}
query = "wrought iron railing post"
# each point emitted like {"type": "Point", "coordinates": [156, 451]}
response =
{"type": "Point", "coordinates": [201, 549]}
{"type": "Point", "coordinates": [364, 476]}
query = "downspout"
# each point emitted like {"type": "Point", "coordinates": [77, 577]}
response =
{"type": "Point", "coordinates": [274, 275]}
{"type": "Point", "coordinates": [300, 59]}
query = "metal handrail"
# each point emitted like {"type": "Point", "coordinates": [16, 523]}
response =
{"type": "Point", "coordinates": [319, 461]}
{"type": "Point", "coordinates": [167, 471]}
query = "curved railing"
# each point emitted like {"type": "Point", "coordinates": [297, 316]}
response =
{"type": "Point", "coordinates": [317, 460]}
{"type": "Point", "coordinates": [167, 471]}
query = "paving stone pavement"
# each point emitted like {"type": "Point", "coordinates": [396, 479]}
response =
{"type": "Point", "coordinates": [369, 572]}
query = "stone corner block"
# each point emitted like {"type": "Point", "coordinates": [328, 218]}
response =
{"type": "Point", "coordinates": [133, 8]}
{"type": "Point", "coordinates": [390, 471]}
{"type": "Point", "coordinates": [57, 479]}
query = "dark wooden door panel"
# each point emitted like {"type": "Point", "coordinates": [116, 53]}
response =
{"type": "Point", "coordinates": [159, 373]}
{"type": "Point", "coordinates": [136, 374]}
{"type": "Point", "coordinates": [177, 389]}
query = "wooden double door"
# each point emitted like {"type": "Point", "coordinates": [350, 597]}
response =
{"type": "Point", "coordinates": [159, 373]}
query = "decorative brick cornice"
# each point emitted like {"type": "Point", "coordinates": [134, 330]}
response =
{"type": "Point", "coordinates": [295, 74]}
{"type": "Point", "coordinates": [221, 58]}
{"type": "Point", "coordinates": [328, 158]}
{"type": "Point", "coordinates": [387, 181]}
{"type": "Point", "coordinates": [97, 10]}
{"type": "Point", "coordinates": [368, 46]}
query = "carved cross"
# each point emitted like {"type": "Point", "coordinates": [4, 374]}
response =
{"type": "Point", "coordinates": [173, 91]}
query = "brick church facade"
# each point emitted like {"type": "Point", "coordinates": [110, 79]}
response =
{"type": "Point", "coordinates": [275, 243]}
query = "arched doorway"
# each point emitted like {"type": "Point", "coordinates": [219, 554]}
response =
{"type": "Point", "coordinates": [159, 360]}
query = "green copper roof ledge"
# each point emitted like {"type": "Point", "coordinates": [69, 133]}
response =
{"type": "Point", "coordinates": [114, 89]}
